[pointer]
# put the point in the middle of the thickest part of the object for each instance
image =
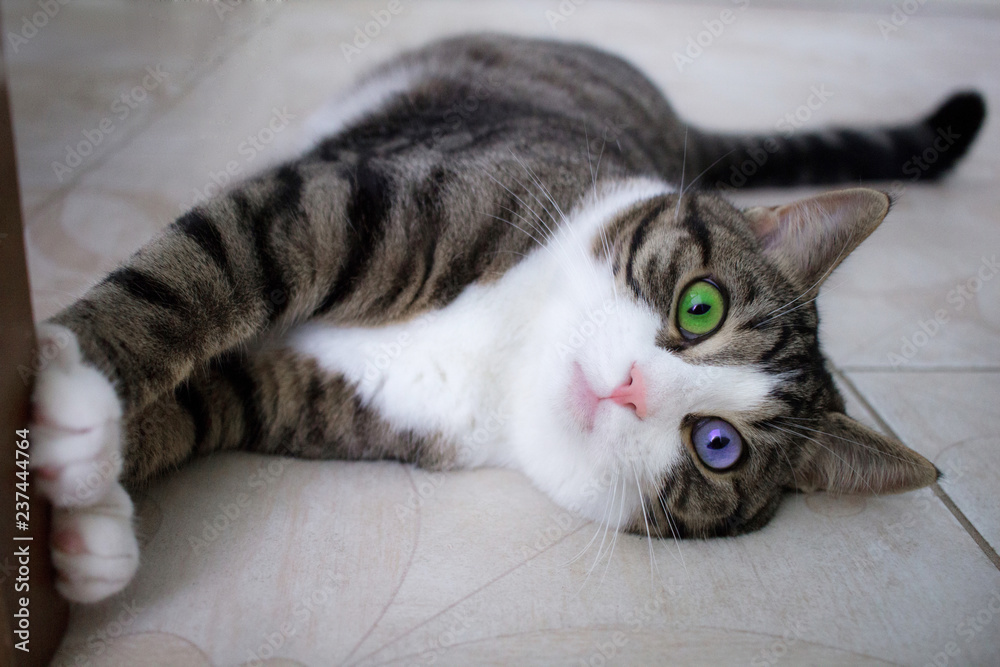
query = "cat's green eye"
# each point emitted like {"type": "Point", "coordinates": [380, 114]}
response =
{"type": "Point", "coordinates": [701, 309]}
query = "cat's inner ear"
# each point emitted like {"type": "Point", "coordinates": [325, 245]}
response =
{"type": "Point", "coordinates": [808, 238]}
{"type": "Point", "coordinates": [852, 458]}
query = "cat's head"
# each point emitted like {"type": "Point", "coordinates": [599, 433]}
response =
{"type": "Point", "coordinates": [680, 388]}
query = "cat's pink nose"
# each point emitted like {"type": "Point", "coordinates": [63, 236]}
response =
{"type": "Point", "coordinates": [632, 393]}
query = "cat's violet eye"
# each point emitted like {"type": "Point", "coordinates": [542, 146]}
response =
{"type": "Point", "coordinates": [717, 443]}
{"type": "Point", "coordinates": [701, 309]}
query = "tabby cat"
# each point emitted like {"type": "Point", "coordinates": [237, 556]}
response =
{"type": "Point", "coordinates": [494, 254]}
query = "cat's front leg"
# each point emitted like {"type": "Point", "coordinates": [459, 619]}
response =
{"type": "Point", "coordinates": [77, 458]}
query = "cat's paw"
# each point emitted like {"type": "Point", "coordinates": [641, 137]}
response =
{"type": "Point", "coordinates": [76, 432]}
{"type": "Point", "coordinates": [94, 548]}
{"type": "Point", "coordinates": [76, 455]}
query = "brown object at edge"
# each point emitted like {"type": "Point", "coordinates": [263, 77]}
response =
{"type": "Point", "coordinates": [47, 610]}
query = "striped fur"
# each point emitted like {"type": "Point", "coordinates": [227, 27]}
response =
{"type": "Point", "coordinates": [448, 182]}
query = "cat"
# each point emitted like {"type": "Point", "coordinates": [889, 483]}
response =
{"type": "Point", "coordinates": [498, 252]}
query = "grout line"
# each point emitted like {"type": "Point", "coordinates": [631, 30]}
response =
{"type": "Point", "coordinates": [882, 424]}
{"type": "Point", "coordinates": [941, 494]}
{"type": "Point", "coordinates": [919, 369]}
{"type": "Point", "coordinates": [969, 528]}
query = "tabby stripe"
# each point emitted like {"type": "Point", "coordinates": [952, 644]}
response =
{"type": "Point", "coordinates": [637, 238]}
{"type": "Point", "coordinates": [669, 282]}
{"type": "Point", "coordinates": [786, 335]}
{"type": "Point", "coordinates": [285, 202]}
{"type": "Point", "coordinates": [471, 263]}
{"type": "Point", "coordinates": [801, 360]}
{"type": "Point", "coordinates": [793, 401]}
{"type": "Point", "coordinates": [315, 400]}
{"type": "Point", "coordinates": [367, 217]}
{"type": "Point", "coordinates": [275, 291]}
{"type": "Point", "coordinates": [116, 361]}
{"type": "Point", "coordinates": [430, 218]}
{"type": "Point", "coordinates": [288, 198]}
{"type": "Point", "coordinates": [192, 401]}
{"type": "Point", "coordinates": [695, 226]}
{"type": "Point", "coordinates": [784, 167]}
{"type": "Point", "coordinates": [146, 288]}
{"type": "Point", "coordinates": [230, 366]}
{"type": "Point", "coordinates": [427, 230]}
{"type": "Point", "coordinates": [868, 155]}
{"type": "Point", "coordinates": [199, 228]}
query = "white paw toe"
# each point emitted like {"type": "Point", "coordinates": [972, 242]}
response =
{"type": "Point", "coordinates": [94, 549]}
{"type": "Point", "coordinates": [76, 434]}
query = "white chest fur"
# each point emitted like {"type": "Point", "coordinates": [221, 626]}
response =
{"type": "Point", "coordinates": [444, 372]}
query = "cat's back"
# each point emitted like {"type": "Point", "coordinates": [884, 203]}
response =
{"type": "Point", "coordinates": [478, 97]}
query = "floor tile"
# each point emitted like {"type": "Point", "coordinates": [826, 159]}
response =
{"type": "Point", "coordinates": [954, 420]}
{"type": "Point", "coordinates": [119, 64]}
{"type": "Point", "coordinates": [369, 563]}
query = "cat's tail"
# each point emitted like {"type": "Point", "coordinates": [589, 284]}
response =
{"type": "Point", "coordinates": [925, 150]}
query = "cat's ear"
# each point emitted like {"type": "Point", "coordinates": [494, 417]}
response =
{"type": "Point", "coordinates": [852, 458]}
{"type": "Point", "coordinates": [808, 238]}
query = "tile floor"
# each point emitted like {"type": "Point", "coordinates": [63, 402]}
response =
{"type": "Point", "coordinates": [346, 563]}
